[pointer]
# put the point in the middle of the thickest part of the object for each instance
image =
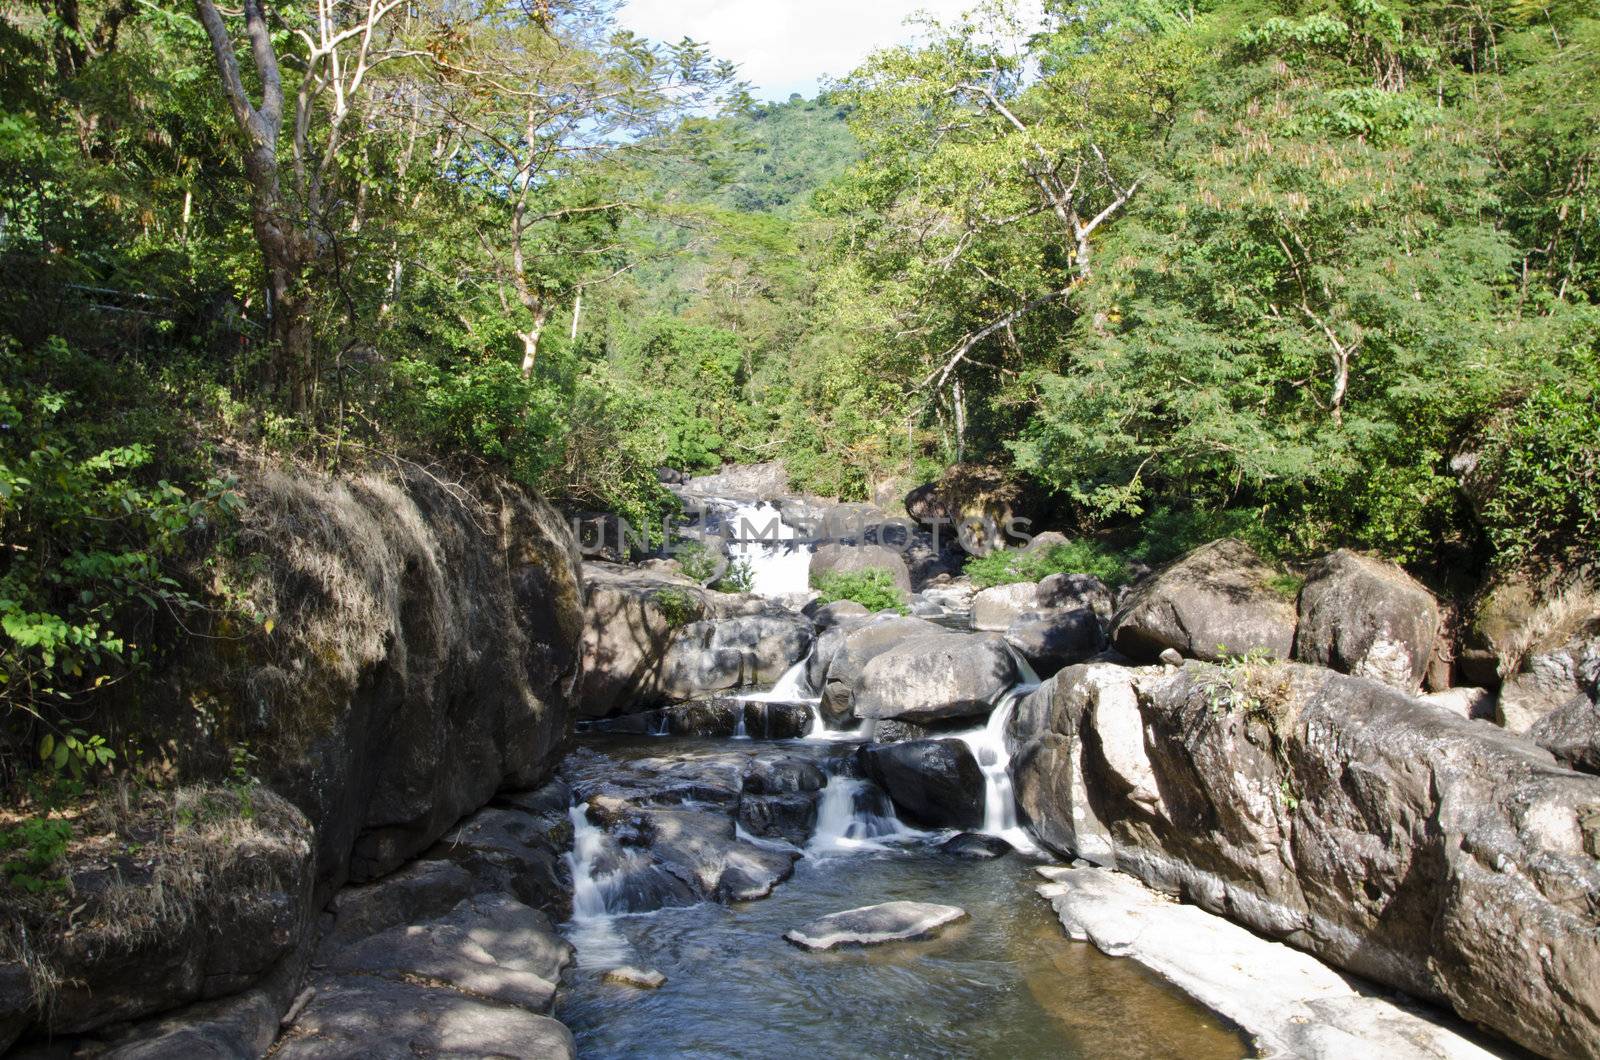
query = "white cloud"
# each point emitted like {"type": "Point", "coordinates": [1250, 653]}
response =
{"type": "Point", "coordinates": [785, 46]}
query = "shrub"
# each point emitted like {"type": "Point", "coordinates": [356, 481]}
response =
{"type": "Point", "coordinates": [1542, 470]}
{"type": "Point", "coordinates": [677, 606]}
{"type": "Point", "coordinates": [1005, 566]}
{"type": "Point", "coordinates": [873, 589]}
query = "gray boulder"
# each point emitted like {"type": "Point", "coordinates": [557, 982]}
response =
{"type": "Point", "coordinates": [1056, 639]}
{"type": "Point", "coordinates": [995, 608]}
{"type": "Point", "coordinates": [1369, 618]}
{"type": "Point", "coordinates": [1438, 856]}
{"type": "Point", "coordinates": [1045, 541]}
{"type": "Point", "coordinates": [737, 651]}
{"type": "Point", "coordinates": [1548, 680]}
{"type": "Point", "coordinates": [1572, 733]}
{"type": "Point", "coordinates": [826, 616]}
{"type": "Point", "coordinates": [698, 847]}
{"type": "Point", "coordinates": [1215, 601]}
{"type": "Point", "coordinates": [740, 482]}
{"type": "Point", "coordinates": [1068, 592]}
{"type": "Point", "coordinates": [788, 817]}
{"type": "Point", "coordinates": [514, 852]}
{"type": "Point", "coordinates": [827, 645]}
{"type": "Point", "coordinates": [782, 776]}
{"type": "Point", "coordinates": [850, 559]}
{"type": "Point", "coordinates": [388, 1019]}
{"type": "Point", "coordinates": [875, 924]}
{"type": "Point", "coordinates": [976, 846]}
{"type": "Point", "coordinates": [858, 647]}
{"type": "Point", "coordinates": [934, 783]}
{"type": "Point", "coordinates": [630, 620]}
{"type": "Point", "coordinates": [935, 677]}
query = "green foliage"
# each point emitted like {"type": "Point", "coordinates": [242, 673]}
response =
{"type": "Point", "coordinates": [1541, 471]}
{"type": "Point", "coordinates": [677, 606]}
{"type": "Point", "coordinates": [30, 851]}
{"type": "Point", "coordinates": [484, 407]}
{"type": "Point", "coordinates": [739, 578]}
{"type": "Point", "coordinates": [873, 588]}
{"type": "Point", "coordinates": [1081, 556]}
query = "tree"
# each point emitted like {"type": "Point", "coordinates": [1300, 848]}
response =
{"type": "Point", "coordinates": [344, 41]}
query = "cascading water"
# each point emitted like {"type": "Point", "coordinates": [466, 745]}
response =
{"type": "Point", "coordinates": [792, 687]}
{"type": "Point", "coordinates": [988, 746]}
{"type": "Point", "coordinates": [780, 564]}
{"type": "Point", "coordinates": [855, 815]}
{"type": "Point", "coordinates": [595, 937]}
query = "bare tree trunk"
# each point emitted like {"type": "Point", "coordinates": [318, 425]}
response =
{"type": "Point", "coordinates": [530, 342]}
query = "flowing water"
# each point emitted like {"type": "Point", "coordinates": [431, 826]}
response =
{"type": "Point", "coordinates": [1005, 983]}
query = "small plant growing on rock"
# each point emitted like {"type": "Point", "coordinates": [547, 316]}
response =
{"type": "Point", "coordinates": [873, 589]}
{"type": "Point", "coordinates": [1007, 566]}
{"type": "Point", "coordinates": [1250, 686]}
{"type": "Point", "coordinates": [738, 579]}
{"type": "Point", "coordinates": [677, 606]}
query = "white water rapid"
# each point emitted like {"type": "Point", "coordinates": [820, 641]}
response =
{"type": "Point", "coordinates": [780, 564]}
{"type": "Point", "coordinates": [988, 746]}
{"type": "Point", "coordinates": [792, 687]}
{"type": "Point", "coordinates": [598, 943]}
{"type": "Point", "coordinates": [855, 815]}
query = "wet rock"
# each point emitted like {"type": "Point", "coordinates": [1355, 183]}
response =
{"type": "Point", "coordinates": [875, 924]}
{"type": "Point", "coordinates": [1572, 734]}
{"type": "Point", "coordinates": [1215, 601]}
{"type": "Point", "coordinates": [995, 608]}
{"type": "Point", "coordinates": [782, 776]}
{"type": "Point", "coordinates": [1440, 856]}
{"type": "Point", "coordinates": [859, 647]}
{"type": "Point", "coordinates": [850, 559]}
{"type": "Point", "coordinates": [977, 846]}
{"type": "Point", "coordinates": [1369, 618]}
{"type": "Point", "coordinates": [699, 848]}
{"type": "Point", "coordinates": [381, 1017]}
{"type": "Point", "coordinates": [788, 817]}
{"type": "Point", "coordinates": [1068, 592]}
{"type": "Point", "coordinates": [638, 978]}
{"type": "Point", "coordinates": [777, 721]}
{"type": "Point", "coordinates": [934, 783]}
{"type": "Point", "coordinates": [935, 677]}
{"type": "Point", "coordinates": [1056, 640]}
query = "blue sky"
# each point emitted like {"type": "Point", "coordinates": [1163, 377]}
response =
{"type": "Point", "coordinates": [785, 46]}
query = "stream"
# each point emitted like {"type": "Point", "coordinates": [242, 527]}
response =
{"type": "Point", "coordinates": [1004, 983]}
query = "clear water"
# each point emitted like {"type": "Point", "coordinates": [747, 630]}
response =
{"type": "Point", "coordinates": [1005, 983]}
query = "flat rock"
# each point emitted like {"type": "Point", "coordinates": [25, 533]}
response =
{"type": "Point", "coordinates": [638, 978]}
{"type": "Point", "coordinates": [874, 924]}
{"type": "Point", "coordinates": [1291, 1003]}
{"type": "Point", "coordinates": [381, 1018]}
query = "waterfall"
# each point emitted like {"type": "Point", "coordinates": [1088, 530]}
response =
{"type": "Point", "coordinates": [792, 687]}
{"type": "Point", "coordinates": [855, 815]}
{"type": "Point", "coordinates": [988, 746]}
{"type": "Point", "coordinates": [739, 731]}
{"type": "Point", "coordinates": [591, 930]}
{"type": "Point", "coordinates": [780, 564]}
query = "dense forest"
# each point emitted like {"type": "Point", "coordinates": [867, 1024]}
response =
{"type": "Point", "coordinates": [1317, 272]}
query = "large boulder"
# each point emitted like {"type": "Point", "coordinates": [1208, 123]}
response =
{"type": "Point", "coordinates": [737, 651]}
{"type": "Point", "coordinates": [995, 608]}
{"type": "Point", "coordinates": [1369, 618]}
{"type": "Point", "coordinates": [935, 677]}
{"type": "Point", "coordinates": [1387, 837]}
{"type": "Point", "coordinates": [739, 482]}
{"type": "Point", "coordinates": [934, 783]}
{"type": "Point", "coordinates": [1056, 639]}
{"type": "Point", "coordinates": [221, 900]}
{"type": "Point", "coordinates": [858, 647]}
{"type": "Point", "coordinates": [1216, 601]}
{"type": "Point", "coordinates": [1068, 592]}
{"type": "Point", "coordinates": [630, 620]}
{"type": "Point", "coordinates": [852, 559]}
{"type": "Point", "coordinates": [1549, 680]}
{"type": "Point", "coordinates": [1572, 733]}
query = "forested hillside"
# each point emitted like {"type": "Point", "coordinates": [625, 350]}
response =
{"type": "Point", "coordinates": [1320, 273]}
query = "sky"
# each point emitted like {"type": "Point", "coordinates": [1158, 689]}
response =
{"type": "Point", "coordinates": [785, 46]}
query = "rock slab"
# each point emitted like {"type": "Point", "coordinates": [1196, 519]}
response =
{"type": "Point", "coordinates": [872, 925]}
